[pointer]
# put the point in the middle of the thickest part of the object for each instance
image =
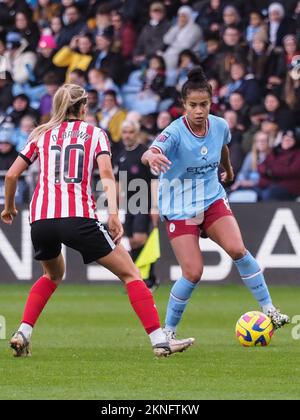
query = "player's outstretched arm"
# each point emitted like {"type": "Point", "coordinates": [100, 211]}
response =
{"type": "Point", "coordinates": [228, 175]}
{"type": "Point", "coordinates": [109, 185]}
{"type": "Point", "coordinates": [11, 182]}
{"type": "Point", "coordinates": [156, 160]}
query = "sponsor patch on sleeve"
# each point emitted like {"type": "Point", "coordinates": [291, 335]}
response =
{"type": "Point", "coordinates": [162, 138]}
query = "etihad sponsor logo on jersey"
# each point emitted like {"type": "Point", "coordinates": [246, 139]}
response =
{"type": "Point", "coordinates": [202, 170]}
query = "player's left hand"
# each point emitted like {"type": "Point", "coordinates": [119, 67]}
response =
{"type": "Point", "coordinates": [7, 216]}
{"type": "Point", "coordinates": [227, 177]}
{"type": "Point", "coordinates": [115, 228]}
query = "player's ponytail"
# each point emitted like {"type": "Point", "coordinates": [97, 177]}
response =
{"type": "Point", "coordinates": [197, 80]}
{"type": "Point", "coordinates": [67, 101]}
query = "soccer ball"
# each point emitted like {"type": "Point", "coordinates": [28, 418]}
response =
{"type": "Point", "coordinates": [254, 329]}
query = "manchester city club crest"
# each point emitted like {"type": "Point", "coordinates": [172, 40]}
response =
{"type": "Point", "coordinates": [204, 151]}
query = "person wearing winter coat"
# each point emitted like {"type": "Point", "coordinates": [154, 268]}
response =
{"type": "Point", "coordinates": [19, 59]}
{"type": "Point", "coordinates": [186, 34]}
{"type": "Point", "coordinates": [280, 172]}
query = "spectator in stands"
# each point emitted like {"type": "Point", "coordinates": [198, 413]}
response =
{"type": "Point", "coordinates": [111, 116]}
{"type": "Point", "coordinates": [262, 60]}
{"type": "Point", "coordinates": [92, 119]}
{"type": "Point", "coordinates": [231, 17]}
{"type": "Point", "coordinates": [150, 40]}
{"type": "Point", "coordinates": [8, 11]}
{"type": "Point", "coordinates": [78, 55]}
{"type": "Point", "coordinates": [236, 152]}
{"type": "Point", "coordinates": [107, 60]}
{"type": "Point", "coordinates": [74, 24]}
{"type": "Point", "coordinates": [6, 96]}
{"type": "Point", "coordinates": [185, 34]}
{"type": "Point", "coordinates": [271, 128]}
{"type": "Point", "coordinates": [257, 115]}
{"type": "Point", "coordinates": [28, 29]}
{"type": "Point", "coordinates": [20, 60]}
{"type": "Point", "coordinates": [292, 92]}
{"type": "Point", "coordinates": [232, 50]}
{"type": "Point", "coordinates": [78, 77]}
{"type": "Point", "coordinates": [256, 28]}
{"type": "Point", "coordinates": [279, 24]}
{"type": "Point", "coordinates": [44, 12]}
{"type": "Point", "coordinates": [46, 50]}
{"type": "Point", "coordinates": [238, 104]}
{"type": "Point", "coordinates": [21, 107]}
{"type": "Point", "coordinates": [21, 134]}
{"type": "Point", "coordinates": [56, 26]}
{"type": "Point", "coordinates": [278, 111]}
{"type": "Point", "coordinates": [187, 60]}
{"type": "Point", "coordinates": [280, 172]}
{"type": "Point", "coordinates": [240, 82]}
{"type": "Point", "coordinates": [248, 177]}
{"type": "Point", "coordinates": [101, 82]}
{"type": "Point", "coordinates": [163, 120]}
{"type": "Point", "coordinates": [124, 36]}
{"type": "Point", "coordinates": [291, 50]}
{"type": "Point", "coordinates": [52, 84]}
{"type": "Point", "coordinates": [210, 16]}
{"type": "Point", "coordinates": [8, 152]}
{"type": "Point", "coordinates": [93, 101]}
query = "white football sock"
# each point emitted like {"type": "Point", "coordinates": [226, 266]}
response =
{"type": "Point", "coordinates": [26, 329]}
{"type": "Point", "coordinates": [158, 337]}
{"type": "Point", "coordinates": [268, 308]}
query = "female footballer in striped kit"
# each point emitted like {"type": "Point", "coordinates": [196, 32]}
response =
{"type": "Point", "coordinates": [188, 154]}
{"type": "Point", "coordinates": [62, 211]}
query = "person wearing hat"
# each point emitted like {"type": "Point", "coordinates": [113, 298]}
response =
{"type": "Point", "coordinates": [20, 60]}
{"type": "Point", "coordinates": [186, 34]}
{"type": "Point", "coordinates": [150, 40]}
{"type": "Point", "coordinates": [279, 24]}
{"type": "Point", "coordinates": [20, 108]}
{"type": "Point", "coordinates": [105, 59]}
{"type": "Point", "coordinates": [78, 55]}
{"type": "Point", "coordinates": [46, 50]}
{"type": "Point", "coordinates": [280, 172]}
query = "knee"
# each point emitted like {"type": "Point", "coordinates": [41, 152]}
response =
{"type": "Point", "coordinates": [130, 274]}
{"type": "Point", "coordinates": [193, 273]}
{"type": "Point", "coordinates": [137, 243]}
{"type": "Point", "coordinates": [57, 278]}
{"type": "Point", "coordinates": [237, 252]}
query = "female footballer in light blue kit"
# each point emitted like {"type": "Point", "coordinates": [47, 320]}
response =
{"type": "Point", "coordinates": [188, 154]}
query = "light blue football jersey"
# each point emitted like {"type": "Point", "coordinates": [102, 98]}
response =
{"type": "Point", "coordinates": [192, 185]}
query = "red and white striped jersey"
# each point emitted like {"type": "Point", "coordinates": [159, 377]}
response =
{"type": "Point", "coordinates": [67, 156]}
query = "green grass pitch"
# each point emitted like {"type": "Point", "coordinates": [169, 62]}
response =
{"type": "Point", "coordinates": [89, 345]}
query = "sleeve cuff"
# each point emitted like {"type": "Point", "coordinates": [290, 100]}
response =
{"type": "Point", "coordinates": [28, 161]}
{"type": "Point", "coordinates": [157, 148]}
{"type": "Point", "coordinates": [106, 152]}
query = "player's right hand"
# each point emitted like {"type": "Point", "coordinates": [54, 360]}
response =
{"type": "Point", "coordinates": [115, 228]}
{"type": "Point", "coordinates": [159, 162]}
{"type": "Point", "coordinates": [7, 216]}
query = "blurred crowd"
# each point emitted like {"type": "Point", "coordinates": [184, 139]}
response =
{"type": "Point", "coordinates": [133, 57]}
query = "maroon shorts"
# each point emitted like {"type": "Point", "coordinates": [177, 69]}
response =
{"type": "Point", "coordinates": [216, 211]}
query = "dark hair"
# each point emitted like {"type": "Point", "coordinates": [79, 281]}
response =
{"type": "Point", "coordinates": [51, 79]}
{"type": "Point", "coordinates": [160, 59]}
{"type": "Point", "coordinates": [112, 93]}
{"type": "Point", "coordinates": [188, 53]}
{"type": "Point", "coordinates": [196, 81]}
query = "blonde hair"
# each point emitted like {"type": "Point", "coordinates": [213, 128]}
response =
{"type": "Point", "coordinates": [255, 153]}
{"type": "Point", "coordinates": [65, 98]}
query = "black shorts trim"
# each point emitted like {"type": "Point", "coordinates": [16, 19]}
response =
{"type": "Point", "coordinates": [87, 236]}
